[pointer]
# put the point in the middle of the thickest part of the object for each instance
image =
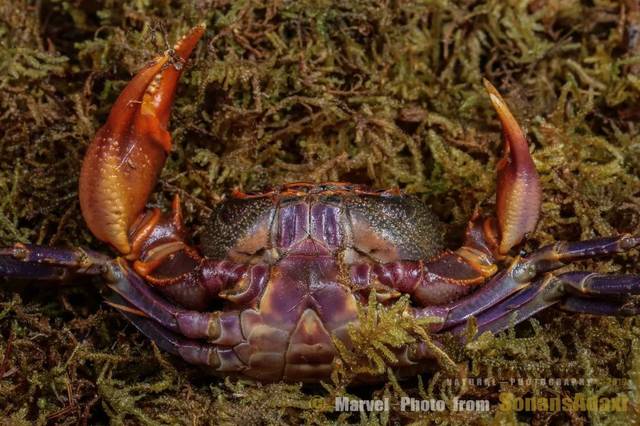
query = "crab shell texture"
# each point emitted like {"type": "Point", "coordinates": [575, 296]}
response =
{"type": "Point", "coordinates": [307, 236]}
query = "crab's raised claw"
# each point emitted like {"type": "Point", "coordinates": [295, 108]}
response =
{"type": "Point", "coordinates": [127, 154]}
{"type": "Point", "coordinates": [519, 194]}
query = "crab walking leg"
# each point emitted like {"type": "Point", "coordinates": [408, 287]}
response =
{"type": "Point", "coordinates": [124, 160]}
{"type": "Point", "coordinates": [586, 305]}
{"type": "Point", "coordinates": [497, 289]}
{"type": "Point", "coordinates": [202, 285]}
{"type": "Point", "coordinates": [523, 271]}
{"type": "Point", "coordinates": [32, 262]}
{"type": "Point", "coordinates": [556, 255]}
{"type": "Point", "coordinates": [218, 327]}
{"type": "Point", "coordinates": [613, 293]}
{"type": "Point", "coordinates": [433, 285]}
{"type": "Point", "coordinates": [219, 357]}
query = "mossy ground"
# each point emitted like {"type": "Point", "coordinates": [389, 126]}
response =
{"type": "Point", "coordinates": [386, 93]}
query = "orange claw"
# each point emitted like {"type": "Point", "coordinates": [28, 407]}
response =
{"type": "Point", "coordinates": [519, 194]}
{"type": "Point", "coordinates": [123, 162]}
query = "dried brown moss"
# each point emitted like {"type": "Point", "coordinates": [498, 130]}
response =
{"type": "Point", "coordinates": [384, 93]}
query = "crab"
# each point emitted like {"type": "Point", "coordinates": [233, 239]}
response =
{"type": "Point", "coordinates": [280, 274]}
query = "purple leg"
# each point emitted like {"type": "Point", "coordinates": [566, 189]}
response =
{"type": "Point", "coordinates": [600, 307]}
{"type": "Point", "coordinates": [173, 328]}
{"type": "Point", "coordinates": [56, 264]}
{"type": "Point", "coordinates": [49, 264]}
{"type": "Point", "coordinates": [500, 287]}
{"type": "Point", "coordinates": [515, 283]}
{"type": "Point", "coordinates": [222, 359]}
{"type": "Point", "coordinates": [575, 291]}
{"type": "Point", "coordinates": [556, 255]}
{"type": "Point", "coordinates": [218, 327]}
{"type": "Point", "coordinates": [592, 284]}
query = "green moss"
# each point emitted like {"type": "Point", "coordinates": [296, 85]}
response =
{"type": "Point", "coordinates": [383, 93]}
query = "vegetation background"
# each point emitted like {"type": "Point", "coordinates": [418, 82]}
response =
{"type": "Point", "coordinates": [387, 93]}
